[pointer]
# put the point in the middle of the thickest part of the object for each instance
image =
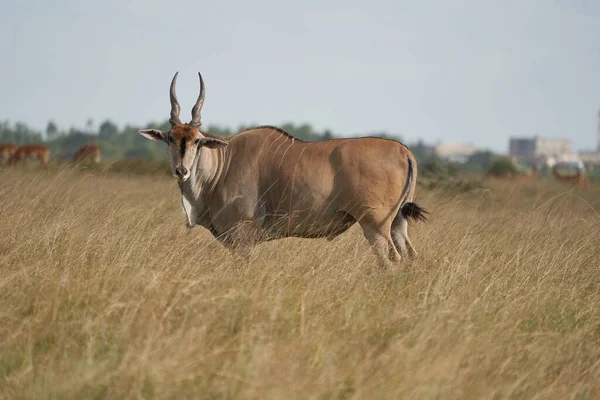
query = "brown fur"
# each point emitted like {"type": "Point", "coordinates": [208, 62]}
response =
{"type": "Point", "coordinates": [39, 152]}
{"type": "Point", "coordinates": [184, 132]}
{"type": "Point", "coordinates": [264, 184]}
{"type": "Point", "coordinates": [6, 152]}
{"type": "Point", "coordinates": [90, 153]}
{"type": "Point", "coordinates": [187, 135]}
{"type": "Point", "coordinates": [308, 189]}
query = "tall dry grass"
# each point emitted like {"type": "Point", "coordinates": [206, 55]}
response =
{"type": "Point", "coordinates": [104, 294]}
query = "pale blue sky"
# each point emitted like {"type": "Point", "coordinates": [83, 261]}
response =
{"type": "Point", "coordinates": [471, 71]}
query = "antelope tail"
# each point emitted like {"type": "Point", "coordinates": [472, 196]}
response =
{"type": "Point", "coordinates": [408, 209]}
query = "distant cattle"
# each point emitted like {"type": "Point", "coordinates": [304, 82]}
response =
{"type": "Point", "coordinates": [264, 184]}
{"type": "Point", "coordinates": [90, 153]}
{"type": "Point", "coordinates": [35, 152]}
{"type": "Point", "coordinates": [6, 152]}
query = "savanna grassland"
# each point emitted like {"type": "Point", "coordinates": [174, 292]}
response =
{"type": "Point", "coordinates": [105, 294]}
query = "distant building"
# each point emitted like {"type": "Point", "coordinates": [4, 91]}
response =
{"type": "Point", "coordinates": [538, 148]}
{"type": "Point", "coordinates": [455, 152]}
{"type": "Point", "coordinates": [590, 157]}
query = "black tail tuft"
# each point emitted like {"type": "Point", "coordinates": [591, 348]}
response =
{"type": "Point", "coordinates": [414, 211]}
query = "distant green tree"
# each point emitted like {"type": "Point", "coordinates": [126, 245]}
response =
{"type": "Point", "coordinates": [422, 152]}
{"type": "Point", "coordinates": [484, 159]}
{"type": "Point", "coordinates": [327, 135]}
{"type": "Point", "coordinates": [51, 130]}
{"type": "Point", "coordinates": [6, 134]}
{"type": "Point", "coordinates": [65, 146]}
{"type": "Point", "coordinates": [218, 130]}
{"type": "Point", "coordinates": [502, 166]}
{"type": "Point", "coordinates": [89, 125]}
{"type": "Point", "coordinates": [22, 134]}
{"type": "Point", "coordinates": [108, 130]}
{"type": "Point", "coordinates": [303, 131]}
{"type": "Point", "coordinates": [140, 152]}
{"type": "Point", "coordinates": [118, 143]}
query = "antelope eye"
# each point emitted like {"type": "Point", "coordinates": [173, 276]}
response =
{"type": "Point", "coordinates": [197, 142]}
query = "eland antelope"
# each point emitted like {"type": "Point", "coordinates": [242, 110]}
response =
{"type": "Point", "coordinates": [90, 153]}
{"type": "Point", "coordinates": [39, 152]}
{"type": "Point", "coordinates": [6, 152]}
{"type": "Point", "coordinates": [263, 184]}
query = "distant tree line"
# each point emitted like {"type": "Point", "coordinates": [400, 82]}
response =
{"type": "Point", "coordinates": [125, 142]}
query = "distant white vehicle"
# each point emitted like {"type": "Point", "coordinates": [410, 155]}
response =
{"type": "Point", "coordinates": [567, 160]}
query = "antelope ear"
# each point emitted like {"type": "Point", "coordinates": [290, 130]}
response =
{"type": "Point", "coordinates": [153, 134]}
{"type": "Point", "coordinates": [212, 143]}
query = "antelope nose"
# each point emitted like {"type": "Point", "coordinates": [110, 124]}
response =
{"type": "Point", "coordinates": [180, 172]}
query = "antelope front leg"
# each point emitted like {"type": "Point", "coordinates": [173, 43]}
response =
{"type": "Point", "coordinates": [244, 239]}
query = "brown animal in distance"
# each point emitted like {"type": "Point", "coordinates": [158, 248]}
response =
{"type": "Point", "coordinates": [263, 184]}
{"type": "Point", "coordinates": [36, 152]}
{"type": "Point", "coordinates": [6, 152]}
{"type": "Point", "coordinates": [90, 153]}
{"type": "Point", "coordinates": [579, 179]}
